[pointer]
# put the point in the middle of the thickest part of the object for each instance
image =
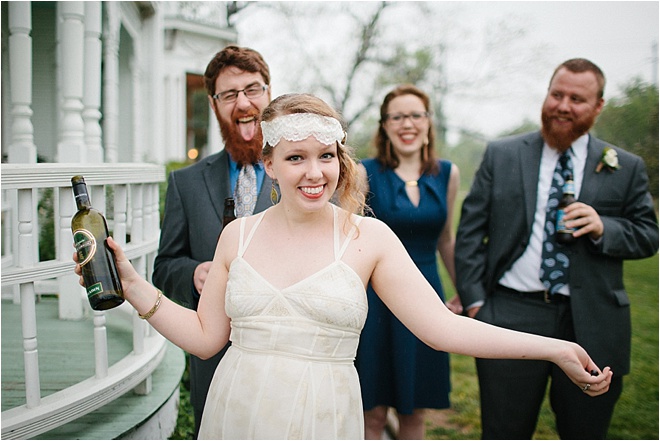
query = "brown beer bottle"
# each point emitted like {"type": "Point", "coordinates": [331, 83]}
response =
{"type": "Point", "coordinates": [564, 235]}
{"type": "Point", "coordinates": [229, 213]}
{"type": "Point", "coordinates": [97, 260]}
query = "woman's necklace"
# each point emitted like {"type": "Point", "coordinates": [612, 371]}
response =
{"type": "Point", "coordinates": [411, 183]}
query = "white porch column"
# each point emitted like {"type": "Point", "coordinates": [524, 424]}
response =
{"type": "Point", "coordinates": [92, 85]}
{"type": "Point", "coordinates": [136, 76]}
{"type": "Point", "coordinates": [215, 142]}
{"type": "Point", "coordinates": [111, 27]}
{"type": "Point", "coordinates": [22, 148]}
{"type": "Point", "coordinates": [71, 145]}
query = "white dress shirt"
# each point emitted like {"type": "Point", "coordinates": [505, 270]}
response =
{"type": "Point", "coordinates": [524, 274]}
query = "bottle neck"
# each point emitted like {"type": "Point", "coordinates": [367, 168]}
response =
{"type": "Point", "coordinates": [81, 196]}
{"type": "Point", "coordinates": [569, 187]}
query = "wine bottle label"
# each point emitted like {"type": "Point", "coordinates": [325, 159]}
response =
{"type": "Point", "coordinates": [85, 244]}
{"type": "Point", "coordinates": [96, 288]}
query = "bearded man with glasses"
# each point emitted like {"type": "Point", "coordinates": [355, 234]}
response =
{"type": "Point", "coordinates": [237, 80]}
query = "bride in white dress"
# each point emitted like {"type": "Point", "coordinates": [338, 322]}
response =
{"type": "Point", "coordinates": [287, 287]}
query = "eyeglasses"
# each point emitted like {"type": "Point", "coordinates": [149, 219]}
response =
{"type": "Point", "coordinates": [252, 91]}
{"type": "Point", "coordinates": [398, 118]}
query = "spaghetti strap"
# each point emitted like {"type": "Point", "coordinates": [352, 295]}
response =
{"type": "Point", "coordinates": [339, 252]}
{"type": "Point", "coordinates": [242, 245]}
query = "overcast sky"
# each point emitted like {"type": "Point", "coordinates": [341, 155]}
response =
{"type": "Point", "coordinates": [616, 35]}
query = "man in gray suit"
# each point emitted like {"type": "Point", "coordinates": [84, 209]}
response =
{"type": "Point", "coordinates": [237, 80]}
{"type": "Point", "coordinates": [499, 255]}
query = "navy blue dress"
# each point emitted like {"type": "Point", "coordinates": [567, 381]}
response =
{"type": "Point", "coordinates": [396, 369]}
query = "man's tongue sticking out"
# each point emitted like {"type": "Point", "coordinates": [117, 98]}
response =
{"type": "Point", "coordinates": [247, 127]}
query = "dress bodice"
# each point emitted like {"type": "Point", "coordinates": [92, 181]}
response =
{"type": "Point", "coordinates": [320, 316]}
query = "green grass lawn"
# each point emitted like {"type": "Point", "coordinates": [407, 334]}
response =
{"type": "Point", "coordinates": [636, 414]}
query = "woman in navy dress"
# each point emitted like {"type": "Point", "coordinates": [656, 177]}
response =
{"type": "Point", "coordinates": [413, 192]}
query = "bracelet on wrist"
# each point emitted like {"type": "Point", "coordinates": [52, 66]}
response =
{"type": "Point", "coordinates": [153, 310]}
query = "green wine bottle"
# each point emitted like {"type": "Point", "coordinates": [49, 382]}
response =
{"type": "Point", "coordinates": [99, 269]}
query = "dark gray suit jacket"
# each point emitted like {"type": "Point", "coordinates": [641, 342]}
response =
{"type": "Point", "coordinates": [193, 222]}
{"type": "Point", "coordinates": [496, 224]}
{"type": "Point", "coordinates": [189, 235]}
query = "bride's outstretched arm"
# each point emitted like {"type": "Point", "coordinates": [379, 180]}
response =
{"type": "Point", "coordinates": [203, 332]}
{"type": "Point", "coordinates": [409, 296]}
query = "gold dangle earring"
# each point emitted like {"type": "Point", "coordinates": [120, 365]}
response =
{"type": "Point", "coordinates": [425, 150]}
{"type": "Point", "coordinates": [274, 193]}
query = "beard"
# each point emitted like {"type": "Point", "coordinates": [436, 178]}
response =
{"type": "Point", "coordinates": [241, 151]}
{"type": "Point", "coordinates": [562, 139]}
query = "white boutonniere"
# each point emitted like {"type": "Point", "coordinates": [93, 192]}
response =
{"type": "Point", "coordinates": [609, 159]}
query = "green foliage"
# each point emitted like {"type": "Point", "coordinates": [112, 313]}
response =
{"type": "Point", "coordinates": [185, 423]}
{"type": "Point", "coordinates": [404, 66]}
{"type": "Point", "coordinates": [162, 187]}
{"type": "Point", "coordinates": [466, 154]}
{"type": "Point", "coordinates": [526, 127]}
{"type": "Point", "coordinates": [46, 219]}
{"type": "Point", "coordinates": [631, 122]}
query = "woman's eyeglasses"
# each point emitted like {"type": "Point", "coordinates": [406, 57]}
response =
{"type": "Point", "coordinates": [398, 118]}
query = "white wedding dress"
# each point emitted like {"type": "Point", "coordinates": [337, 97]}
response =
{"type": "Point", "coordinates": [289, 372]}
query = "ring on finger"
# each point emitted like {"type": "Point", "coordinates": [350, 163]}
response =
{"type": "Point", "coordinates": [586, 387]}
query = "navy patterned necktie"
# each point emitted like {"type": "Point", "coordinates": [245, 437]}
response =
{"type": "Point", "coordinates": [554, 260]}
{"type": "Point", "coordinates": [246, 191]}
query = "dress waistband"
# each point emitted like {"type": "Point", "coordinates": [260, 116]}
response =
{"type": "Point", "coordinates": [296, 355]}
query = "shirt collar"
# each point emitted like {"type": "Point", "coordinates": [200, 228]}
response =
{"type": "Point", "coordinates": [578, 149]}
{"type": "Point", "coordinates": [233, 166]}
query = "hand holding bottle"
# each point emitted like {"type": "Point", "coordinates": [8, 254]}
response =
{"type": "Point", "coordinates": [98, 269]}
{"type": "Point", "coordinates": [132, 282]}
{"type": "Point", "coordinates": [585, 219]}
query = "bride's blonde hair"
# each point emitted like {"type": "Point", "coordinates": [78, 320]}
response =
{"type": "Point", "coordinates": [348, 194]}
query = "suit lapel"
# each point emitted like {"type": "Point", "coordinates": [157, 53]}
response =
{"type": "Point", "coordinates": [591, 181]}
{"type": "Point", "coordinates": [216, 177]}
{"type": "Point", "coordinates": [530, 161]}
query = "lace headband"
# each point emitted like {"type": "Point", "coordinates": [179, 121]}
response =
{"type": "Point", "coordinates": [300, 126]}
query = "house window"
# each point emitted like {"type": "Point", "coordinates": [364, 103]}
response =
{"type": "Point", "coordinates": [197, 118]}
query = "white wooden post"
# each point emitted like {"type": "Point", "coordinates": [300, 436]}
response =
{"type": "Point", "coordinates": [71, 294]}
{"type": "Point", "coordinates": [111, 27]}
{"type": "Point", "coordinates": [138, 153]}
{"type": "Point", "coordinates": [22, 148]}
{"type": "Point", "coordinates": [92, 83]}
{"type": "Point", "coordinates": [100, 345]}
{"type": "Point", "coordinates": [71, 145]}
{"type": "Point", "coordinates": [26, 258]}
{"type": "Point", "coordinates": [120, 216]}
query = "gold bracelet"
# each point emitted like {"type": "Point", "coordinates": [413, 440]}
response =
{"type": "Point", "coordinates": [155, 308]}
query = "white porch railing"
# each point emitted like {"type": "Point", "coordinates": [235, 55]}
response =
{"type": "Point", "coordinates": [134, 222]}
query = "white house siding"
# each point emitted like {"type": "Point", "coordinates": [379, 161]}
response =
{"type": "Point", "coordinates": [188, 49]}
{"type": "Point", "coordinates": [139, 97]}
